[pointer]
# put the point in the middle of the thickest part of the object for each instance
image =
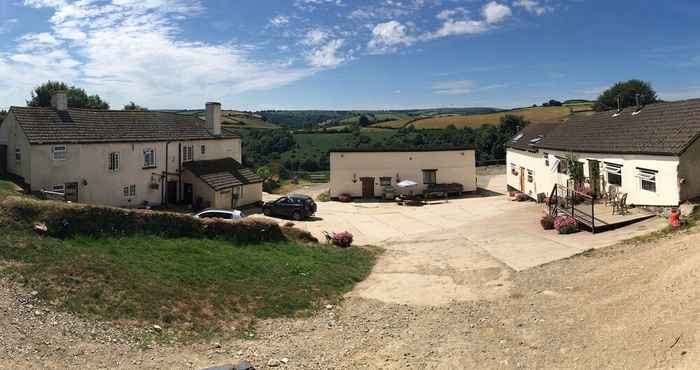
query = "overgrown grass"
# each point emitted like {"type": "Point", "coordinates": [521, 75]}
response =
{"type": "Point", "coordinates": [7, 188]}
{"type": "Point", "coordinates": [189, 284]}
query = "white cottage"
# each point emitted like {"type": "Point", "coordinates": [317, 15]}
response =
{"type": "Point", "coordinates": [651, 153]}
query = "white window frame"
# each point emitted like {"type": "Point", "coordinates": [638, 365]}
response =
{"type": "Point", "coordinates": [18, 155]}
{"type": "Point", "coordinates": [613, 169]}
{"type": "Point", "coordinates": [113, 162]}
{"type": "Point", "coordinates": [530, 176]}
{"type": "Point", "coordinates": [433, 174]}
{"type": "Point", "coordinates": [188, 153]}
{"type": "Point", "coordinates": [58, 152]}
{"type": "Point", "coordinates": [152, 162]}
{"type": "Point", "coordinates": [203, 149]}
{"type": "Point", "coordinates": [649, 176]}
{"type": "Point", "coordinates": [59, 188]}
{"type": "Point", "coordinates": [383, 182]}
{"type": "Point", "coordinates": [129, 191]}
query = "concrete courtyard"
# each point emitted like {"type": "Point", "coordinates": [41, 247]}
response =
{"type": "Point", "coordinates": [455, 250]}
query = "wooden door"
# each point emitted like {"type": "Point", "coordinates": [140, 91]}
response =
{"type": "Point", "coordinates": [188, 194]}
{"type": "Point", "coordinates": [71, 189]}
{"type": "Point", "coordinates": [522, 179]}
{"type": "Point", "coordinates": [172, 192]}
{"type": "Point", "coordinates": [367, 187]}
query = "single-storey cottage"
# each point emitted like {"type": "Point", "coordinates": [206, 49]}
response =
{"type": "Point", "coordinates": [651, 153]}
{"type": "Point", "coordinates": [366, 172]}
{"type": "Point", "coordinates": [127, 158]}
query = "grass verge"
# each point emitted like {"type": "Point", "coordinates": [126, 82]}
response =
{"type": "Point", "coordinates": [188, 285]}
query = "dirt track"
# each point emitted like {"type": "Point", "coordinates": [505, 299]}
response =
{"type": "Point", "coordinates": [630, 306]}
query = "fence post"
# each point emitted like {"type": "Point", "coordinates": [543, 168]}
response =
{"type": "Point", "coordinates": [593, 215]}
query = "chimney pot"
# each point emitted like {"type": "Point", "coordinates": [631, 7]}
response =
{"type": "Point", "coordinates": [213, 118]}
{"type": "Point", "coordinates": [59, 100]}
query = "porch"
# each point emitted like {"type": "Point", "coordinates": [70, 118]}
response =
{"type": "Point", "coordinates": [592, 213]}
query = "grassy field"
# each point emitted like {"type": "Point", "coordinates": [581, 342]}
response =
{"type": "Point", "coordinates": [535, 114]}
{"type": "Point", "coordinates": [7, 188]}
{"type": "Point", "coordinates": [235, 119]}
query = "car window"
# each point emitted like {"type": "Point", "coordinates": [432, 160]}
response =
{"type": "Point", "coordinates": [223, 215]}
{"type": "Point", "coordinates": [283, 200]}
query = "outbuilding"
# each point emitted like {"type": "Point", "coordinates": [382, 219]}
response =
{"type": "Point", "coordinates": [651, 153]}
{"type": "Point", "coordinates": [365, 173]}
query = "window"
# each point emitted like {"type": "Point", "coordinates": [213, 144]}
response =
{"type": "Point", "coordinates": [517, 137]}
{"type": "Point", "coordinates": [561, 166]}
{"type": "Point", "coordinates": [614, 172]}
{"type": "Point", "coordinates": [221, 215]}
{"type": "Point", "coordinates": [129, 191]}
{"type": "Point", "coordinates": [530, 176]}
{"type": "Point", "coordinates": [546, 159]}
{"type": "Point", "coordinates": [385, 181]}
{"type": "Point", "coordinates": [204, 149]}
{"type": "Point", "coordinates": [18, 155]}
{"type": "Point", "coordinates": [188, 153]}
{"type": "Point", "coordinates": [647, 179]}
{"type": "Point", "coordinates": [113, 164]}
{"type": "Point", "coordinates": [59, 152]}
{"type": "Point", "coordinates": [149, 158]}
{"type": "Point", "coordinates": [513, 169]}
{"type": "Point", "coordinates": [59, 188]}
{"type": "Point", "coordinates": [429, 177]}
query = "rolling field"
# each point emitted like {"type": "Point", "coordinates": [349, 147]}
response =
{"type": "Point", "coordinates": [535, 114]}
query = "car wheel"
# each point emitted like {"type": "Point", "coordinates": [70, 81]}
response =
{"type": "Point", "coordinates": [296, 216]}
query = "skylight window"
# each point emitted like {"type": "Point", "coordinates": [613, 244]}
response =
{"type": "Point", "coordinates": [536, 139]}
{"type": "Point", "coordinates": [518, 137]}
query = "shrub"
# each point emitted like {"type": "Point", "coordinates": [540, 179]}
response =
{"type": "Point", "coordinates": [521, 197]}
{"type": "Point", "coordinates": [565, 224]}
{"type": "Point", "coordinates": [324, 197]}
{"type": "Point", "coordinates": [342, 239]}
{"type": "Point", "coordinates": [65, 221]}
{"type": "Point", "coordinates": [568, 229]}
{"type": "Point", "coordinates": [547, 222]}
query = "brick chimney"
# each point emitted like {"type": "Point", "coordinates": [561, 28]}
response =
{"type": "Point", "coordinates": [59, 100]}
{"type": "Point", "coordinates": [214, 118]}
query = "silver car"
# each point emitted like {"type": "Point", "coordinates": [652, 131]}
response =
{"type": "Point", "coordinates": [221, 214]}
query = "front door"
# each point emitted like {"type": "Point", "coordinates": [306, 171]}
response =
{"type": "Point", "coordinates": [172, 192]}
{"type": "Point", "coordinates": [71, 192]}
{"type": "Point", "coordinates": [188, 194]}
{"type": "Point", "coordinates": [367, 187]}
{"type": "Point", "coordinates": [522, 179]}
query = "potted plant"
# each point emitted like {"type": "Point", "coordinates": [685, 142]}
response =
{"type": "Point", "coordinates": [342, 239]}
{"type": "Point", "coordinates": [565, 224]}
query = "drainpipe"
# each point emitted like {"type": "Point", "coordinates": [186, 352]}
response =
{"type": "Point", "coordinates": [164, 179]}
{"type": "Point", "coordinates": [179, 169]}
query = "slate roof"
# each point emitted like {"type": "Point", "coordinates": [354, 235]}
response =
{"type": "Point", "coordinates": [222, 174]}
{"type": "Point", "coordinates": [50, 126]}
{"type": "Point", "coordinates": [532, 134]}
{"type": "Point", "coordinates": [657, 129]}
{"type": "Point", "coordinates": [401, 149]}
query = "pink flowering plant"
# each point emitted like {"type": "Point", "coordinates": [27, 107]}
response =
{"type": "Point", "coordinates": [342, 239]}
{"type": "Point", "coordinates": [565, 224]}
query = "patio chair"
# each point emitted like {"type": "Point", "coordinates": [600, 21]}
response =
{"type": "Point", "coordinates": [611, 196]}
{"type": "Point", "coordinates": [621, 205]}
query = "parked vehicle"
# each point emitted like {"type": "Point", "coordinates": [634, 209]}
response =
{"type": "Point", "coordinates": [222, 214]}
{"type": "Point", "coordinates": [294, 206]}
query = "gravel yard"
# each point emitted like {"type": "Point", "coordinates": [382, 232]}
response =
{"type": "Point", "coordinates": [627, 306]}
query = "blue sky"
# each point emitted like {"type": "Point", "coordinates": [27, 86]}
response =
{"type": "Point", "coordinates": [347, 54]}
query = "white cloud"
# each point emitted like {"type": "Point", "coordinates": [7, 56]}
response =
{"type": "Point", "coordinates": [533, 6]}
{"type": "Point", "coordinates": [458, 87]}
{"type": "Point", "coordinates": [130, 50]}
{"type": "Point", "coordinates": [451, 13]}
{"type": "Point", "coordinates": [387, 36]}
{"type": "Point", "coordinates": [452, 27]}
{"type": "Point", "coordinates": [326, 56]}
{"type": "Point", "coordinates": [495, 13]}
{"type": "Point", "coordinates": [279, 20]}
{"type": "Point", "coordinates": [315, 37]}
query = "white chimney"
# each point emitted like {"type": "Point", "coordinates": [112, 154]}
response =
{"type": "Point", "coordinates": [214, 118]}
{"type": "Point", "coordinates": [59, 100]}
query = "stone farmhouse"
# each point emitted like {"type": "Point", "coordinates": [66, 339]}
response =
{"type": "Point", "coordinates": [127, 158]}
